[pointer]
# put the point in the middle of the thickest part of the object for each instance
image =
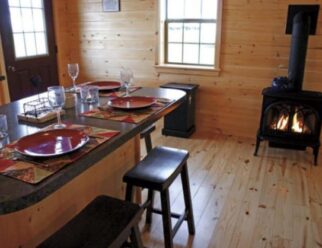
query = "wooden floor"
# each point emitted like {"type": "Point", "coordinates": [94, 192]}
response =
{"type": "Point", "coordinates": [273, 200]}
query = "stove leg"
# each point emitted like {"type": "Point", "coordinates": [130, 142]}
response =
{"type": "Point", "coordinates": [258, 141]}
{"type": "Point", "coordinates": [316, 153]}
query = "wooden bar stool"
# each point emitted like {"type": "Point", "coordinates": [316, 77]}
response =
{"type": "Point", "coordinates": [156, 172]}
{"type": "Point", "coordinates": [105, 222]}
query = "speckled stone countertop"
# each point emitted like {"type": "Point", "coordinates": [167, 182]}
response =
{"type": "Point", "coordinates": [16, 195]}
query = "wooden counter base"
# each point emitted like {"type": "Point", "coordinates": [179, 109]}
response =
{"type": "Point", "coordinates": [30, 226]}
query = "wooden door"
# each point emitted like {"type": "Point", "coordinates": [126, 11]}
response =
{"type": "Point", "coordinates": [29, 48]}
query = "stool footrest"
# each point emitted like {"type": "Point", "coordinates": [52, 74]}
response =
{"type": "Point", "coordinates": [173, 215]}
{"type": "Point", "coordinates": [181, 218]}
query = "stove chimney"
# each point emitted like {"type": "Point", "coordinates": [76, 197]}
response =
{"type": "Point", "coordinates": [301, 22]}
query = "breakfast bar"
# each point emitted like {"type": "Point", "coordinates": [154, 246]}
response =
{"type": "Point", "coordinates": [29, 213]}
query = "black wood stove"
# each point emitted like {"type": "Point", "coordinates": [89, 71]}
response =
{"type": "Point", "coordinates": [291, 117]}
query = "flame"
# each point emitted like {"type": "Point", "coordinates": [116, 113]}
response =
{"type": "Point", "coordinates": [297, 124]}
{"type": "Point", "coordinates": [282, 122]}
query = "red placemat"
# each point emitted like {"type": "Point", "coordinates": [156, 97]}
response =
{"type": "Point", "coordinates": [33, 170]}
{"type": "Point", "coordinates": [130, 116]}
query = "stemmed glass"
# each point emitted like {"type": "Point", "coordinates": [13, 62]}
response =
{"type": "Point", "coordinates": [126, 75]}
{"type": "Point", "coordinates": [73, 71]}
{"type": "Point", "coordinates": [56, 98]}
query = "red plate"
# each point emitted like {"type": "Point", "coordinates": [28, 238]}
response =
{"type": "Point", "coordinates": [51, 143]}
{"type": "Point", "coordinates": [105, 85]}
{"type": "Point", "coordinates": [132, 102]}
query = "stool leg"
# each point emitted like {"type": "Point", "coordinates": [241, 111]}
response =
{"type": "Point", "coordinates": [148, 143]}
{"type": "Point", "coordinates": [129, 192]}
{"type": "Point", "coordinates": [187, 198]}
{"type": "Point", "coordinates": [148, 219]}
{"type": "Point", "coordinates": [136, 238]}
{"type": "Point", "coordinates": [166, 219]}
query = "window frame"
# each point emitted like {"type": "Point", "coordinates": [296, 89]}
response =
{"type": "Point", "coordinates": [162, 45]}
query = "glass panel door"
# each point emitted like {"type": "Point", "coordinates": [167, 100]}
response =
{"type": "Point", "coordinates": [28, 28]}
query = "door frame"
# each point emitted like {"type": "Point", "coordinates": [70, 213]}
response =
{"type": "Point", "coordinates": [52, 49]}
{"type": "Point", "coordinates": [4, 87]}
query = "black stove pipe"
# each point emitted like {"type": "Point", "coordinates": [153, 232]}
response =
{"type": "Point", "coordinates": [300, 36]}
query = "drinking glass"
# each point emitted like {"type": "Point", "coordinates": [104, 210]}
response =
{"type": "Point", "coordinates": [3, 126]}
{"type": "Point", "coordinates": [89, 94]}
{"type": "Point", "coordinates": [126, 75]}
{"type": "Point", "coordinates": [73, 71]}
{"type": "Point", "coordinates": [56, 98]}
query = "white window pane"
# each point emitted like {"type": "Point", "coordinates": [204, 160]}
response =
{"type": "Point", "coordinates": [191, 32]}
{"type": "Point", "coordinates": [39, 24]}
{"type": "Point", "coordinates": [192, 9]}
{"type": "Point", "coordinates": [208, 33]}
{"type": "Point", "coordinates": [19, 45]}
{"type": "Point", "coordinates": [175, 32]}
{"type": "Point", "coordinates": [175, 9]}
{"type": "Point", "coordinates": [175, 53]}
{"type": "Point", "coordinates": [30, 44]}
{"type": "Point", "coordinates": [16, 22]}
{"type": "Point", "coordinates": [27, 20]}
{"type": "Point", "coordinates": [207, 54]}
{"type": "Point", "coordinates": [25, 3]}
{"type": "Point", "coordinates": [14, 3]}
{"type": "Point", "coordinates": [190, 54]}
{"type": "Point", "coordinates": [37, 3]}
{"type": "Point", "coordinates": [41, 42]}
{"type": "Point", "coordinates": [209, 9]}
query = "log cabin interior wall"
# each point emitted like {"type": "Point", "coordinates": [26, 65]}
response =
{"type": "Point", "coordinates": [254, 50]}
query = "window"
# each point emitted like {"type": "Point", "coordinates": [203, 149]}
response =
{"type": "Point", "coordinates": [190, 32]}
{"type": "Point", "coordinates": [28, 28]}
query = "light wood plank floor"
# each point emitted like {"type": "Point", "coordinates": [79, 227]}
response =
{"type": "Point", "coordinates": [273, 200]}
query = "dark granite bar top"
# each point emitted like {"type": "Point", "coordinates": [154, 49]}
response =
{"type": "Point", "coordinates": [16, 195]}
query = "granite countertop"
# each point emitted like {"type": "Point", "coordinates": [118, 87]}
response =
{"type": "Point", "coordinates": [16, 195]}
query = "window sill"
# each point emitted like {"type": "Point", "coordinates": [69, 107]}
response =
{"type": "Point", "coordinates": [187, 70]}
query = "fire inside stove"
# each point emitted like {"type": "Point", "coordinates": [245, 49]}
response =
{"type": "Point", "coordinates": [295, 120]}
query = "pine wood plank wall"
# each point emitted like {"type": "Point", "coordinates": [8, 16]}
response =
{"type": "Point", "coordinates": [254, 50]}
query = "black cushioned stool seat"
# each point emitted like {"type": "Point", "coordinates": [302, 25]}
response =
{"type": "Point", "coordinates": [105, 222]}
{"type": "Point", "coordinates": [159, 169]}
{"type": "Point", "coordinates": [156, 172]}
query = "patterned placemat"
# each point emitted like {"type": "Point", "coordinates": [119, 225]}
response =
{"type": "Point", "coordinates": [130, 116]}
{"type": "Point", "coordinates": [32, 170]}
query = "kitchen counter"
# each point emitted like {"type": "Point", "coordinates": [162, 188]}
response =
{"type": "Point", "coordinates": [26, 203]}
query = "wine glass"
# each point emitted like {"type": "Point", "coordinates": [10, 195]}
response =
{"type": "Point", "coordinates": [126, 75]}
{"type": "Point", "coordinates": [73, 71]}
{"type": "Point", "coordinates": [56, 98]}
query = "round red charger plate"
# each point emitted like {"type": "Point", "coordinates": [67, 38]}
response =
{"type": "Point", "coordinates": [132, 102]}
{"type": "Point", "coordinates": [105, 85]}
{"type": "Point", "coordinates": [51, 143]}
